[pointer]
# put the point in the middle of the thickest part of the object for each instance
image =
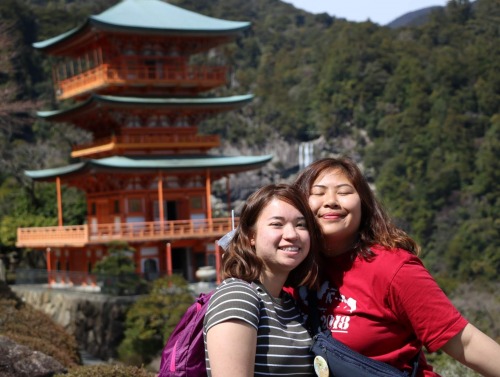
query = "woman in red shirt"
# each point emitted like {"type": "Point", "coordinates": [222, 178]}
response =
{"type": "Point", "coordinates": [377, 297]}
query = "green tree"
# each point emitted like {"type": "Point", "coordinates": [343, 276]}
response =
{"type": "Point", "coordinates": [152, 318]}
{"type": "Point", "coordinates": [116, 271]}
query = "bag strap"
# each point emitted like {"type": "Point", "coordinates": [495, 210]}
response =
{"type": "Point", "coordinates": [313, 317]}
{"type": "Point", "coordinates": [415, 362]}
{"type": "Point", "coordinates": [314, 321]}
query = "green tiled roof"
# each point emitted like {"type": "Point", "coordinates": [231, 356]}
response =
{"type": "Point", "coordinates": [175, 163]}
{"type": "Point", "coordinates": [177, 103]}
{"type": "Point", "coordinates": [155, 16]}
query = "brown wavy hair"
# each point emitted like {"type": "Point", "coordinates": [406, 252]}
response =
{"type": "Point", "coordinates": [376, 226]}
{"type": "Point", "coordinates": [240, 260]}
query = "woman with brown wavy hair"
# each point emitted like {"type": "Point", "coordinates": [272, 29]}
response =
{"type": "Point", "coordinates": [377, 297]}
{"type": "Point", "coordinates": [252, 326]}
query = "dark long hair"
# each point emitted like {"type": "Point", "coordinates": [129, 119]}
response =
{"type": "Point", "coordinates": [240, 260]}
{"type": "Point", "coordinates": [376, 226]}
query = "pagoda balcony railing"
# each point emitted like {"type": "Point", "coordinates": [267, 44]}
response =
{"type": "Point", "coordinates": [157, 76]}
{"type": "Point", "coordinates": [146, 141]}
{"type": "Point", "coordinates": [81, 235]}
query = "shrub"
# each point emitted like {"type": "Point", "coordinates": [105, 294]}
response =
{"type": "Point", "coordinates": [152, 318]}
{"type": "Point", "coordinates": [34, 329]}
{"type": "Point", "coordinates": [116, 271]}
{"type": "Point", "coordinates": [107, 371]}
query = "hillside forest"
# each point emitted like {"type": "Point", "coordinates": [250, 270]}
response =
{"type": "Point", "coordinates": [417, 106]}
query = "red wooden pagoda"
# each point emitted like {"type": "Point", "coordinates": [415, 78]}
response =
{"type": "Point", "coordinates": [132, 75]}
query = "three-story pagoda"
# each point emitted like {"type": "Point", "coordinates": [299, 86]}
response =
{"type": "Point", "coordinates": [135, 84]}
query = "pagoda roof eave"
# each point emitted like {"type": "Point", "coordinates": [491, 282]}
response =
{"type": "Point", "coordinates": [231, 102]}
{"type": "Point", "coordinates": [230, 164]}
{"type": "Point", "coordinates": [54, 172]}
{"type": "Point", "coordinates": [151, 16]}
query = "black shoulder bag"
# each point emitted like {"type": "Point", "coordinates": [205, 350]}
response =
{"type": "Point", "coordinates": [335, 359]}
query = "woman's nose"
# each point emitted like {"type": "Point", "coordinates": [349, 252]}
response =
{"type": "Point", "coordinates": [331, 200]}
{"type": "Point", "coordinates": [289, 232]}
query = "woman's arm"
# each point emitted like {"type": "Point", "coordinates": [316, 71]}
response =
{"type": "Point", "coordinates": [231, 346]}
{"type": "Point", "coordinates": [476, 350]}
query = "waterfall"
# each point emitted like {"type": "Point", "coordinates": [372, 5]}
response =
{"type": "Point", "coordinates": [306, 151]}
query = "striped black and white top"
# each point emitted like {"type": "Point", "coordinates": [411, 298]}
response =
{"type": "Point", "coordinates": [282, 340]}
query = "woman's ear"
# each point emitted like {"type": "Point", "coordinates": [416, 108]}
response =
{"type": "Point", "coordinates": [252, 239]}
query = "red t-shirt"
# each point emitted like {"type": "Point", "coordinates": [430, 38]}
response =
{"type": "Point", "coordinates": [387, 308]}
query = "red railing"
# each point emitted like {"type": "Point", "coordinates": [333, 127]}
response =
{"type": "Point", "coordinates": [144, 75]}
{"type": "Point", "coordinates": [130, 142]}
{"type": "Point", "coordinates": [80, 235]}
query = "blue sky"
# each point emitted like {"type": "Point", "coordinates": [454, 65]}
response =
{"type": "Point", "coordinates": [378, 11]}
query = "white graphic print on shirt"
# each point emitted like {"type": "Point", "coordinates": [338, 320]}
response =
{"type": "Point", "coordinates": [333, 298]}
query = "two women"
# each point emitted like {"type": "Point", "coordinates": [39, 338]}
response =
{"type": "Point", "coordinates": [252, 327]}
{"type": "Point", "coordinates": [377, 297]}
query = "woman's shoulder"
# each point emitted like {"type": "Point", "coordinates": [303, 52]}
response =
{"type": "Point", "coordinates": [232, 286]}
{"type": "Point", "coordinates": [396, 255]}
{"type": "Point", "coordinates": [386, 264]}
{"type": "Point", "coordinates": [233, 298]}
{"type": "Point", "coordinates": [235, 283]}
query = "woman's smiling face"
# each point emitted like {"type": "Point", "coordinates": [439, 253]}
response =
{"type": "Point", "coordinates": [281, 237]}
{"type": "Point", "coordinates": [337, 206]}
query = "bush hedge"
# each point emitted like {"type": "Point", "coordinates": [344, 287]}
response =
{"type": "Point", "coordinates": [107, 371]}
{"type": "Point", "coordinates": [36, 330]}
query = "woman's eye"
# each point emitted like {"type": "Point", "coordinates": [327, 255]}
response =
{"type": "Point", "coordinates": [344, 193]}
{"type": "Point", "coordinates": [301, 225]}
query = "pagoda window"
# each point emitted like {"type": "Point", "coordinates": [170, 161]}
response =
{"type": "Point", "coordinates": [154, 68]}
{"type": "Point", "coordinates": [129, 50]}
{"type": "Point", "coordinates": [93, 209]}
{"type": "Point", "coordinates": [134, 205]}
{"type": "Point", "coordinates": [156, 210]}
{"type": "Point", "coordinates": [199, 181]}
{"type": "Point", "coordinates": [172, 182]}
{"type": "Point", "coordinates": [147, 50]}
{"type": "Point", "coordinates": [196, 202]}
{"type": "Point", "coordinates": [198, 219]}
{"type": "Point", "coordinates": [182, 122]}
{"type": "Point", "coordinates": [58, 265]}
{"type": "Point", "coordinates": [174, 52]}
{"type": "Point", "coordinates": [89, 267]}
{"type": "Point", "coordinates": [134, 184]}
{"type": "Point", "coordinates": [116, 206]}
{"type": "Point", "coordinates": [196, 181]}
{"type": "Point", "coordinates": [133, 122]}
{"type": "Point", "coordinates": [163, 121]}
{"type": "Point", "coordinates": [153, 121]}
{"type": "Point", "coordinates": [116, 116]}
{"type": "Point", "coordinates": [158, 49]}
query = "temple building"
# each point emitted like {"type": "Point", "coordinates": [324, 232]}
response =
{"type": "Point", "coordinates": [137, 77]}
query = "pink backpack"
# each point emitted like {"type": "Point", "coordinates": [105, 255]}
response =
{"type": "Point", "coordinates": [184, 352]}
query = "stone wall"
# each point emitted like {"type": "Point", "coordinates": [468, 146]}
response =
{"type": "Point", "coordinates": [96, 320]}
